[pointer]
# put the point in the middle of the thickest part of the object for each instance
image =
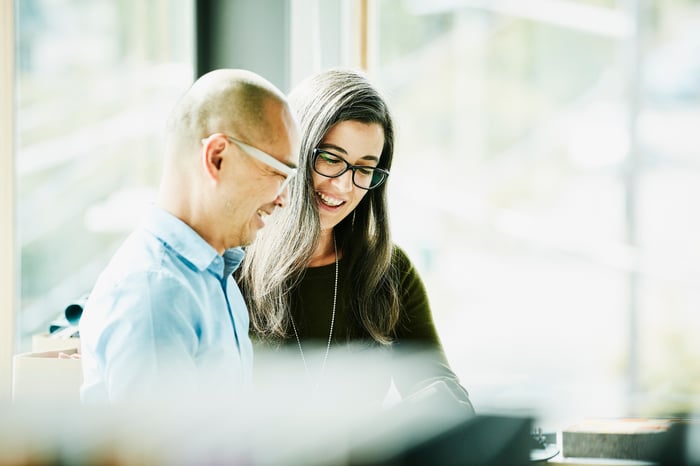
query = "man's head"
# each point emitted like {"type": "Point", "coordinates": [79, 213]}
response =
{"type": "Point", "coordinates": [231, 143]}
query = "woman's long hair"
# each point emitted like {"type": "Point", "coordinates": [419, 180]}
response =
{"type": "Point", "coordinates": [276, 261]}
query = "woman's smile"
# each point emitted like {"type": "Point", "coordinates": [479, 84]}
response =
{"type": "Point", "coordinates": [329, 201]}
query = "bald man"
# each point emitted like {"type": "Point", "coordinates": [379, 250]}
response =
{"type": "Point", "coordinates": [165, 317]}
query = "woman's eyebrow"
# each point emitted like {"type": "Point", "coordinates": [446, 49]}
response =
{"type": "Point", "coordinates": [334, 147]}
{"type": "Point", "coordinates": [340, 149]}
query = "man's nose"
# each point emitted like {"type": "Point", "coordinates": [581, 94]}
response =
{"type": "Point", "coordinates": [282, 198]}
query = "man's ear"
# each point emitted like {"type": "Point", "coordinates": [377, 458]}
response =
{"type": "Point", "coordinates": [213, 156]}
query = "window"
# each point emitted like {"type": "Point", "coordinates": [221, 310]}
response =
{"type": "Point", "coordinates": [558, 235]}
{"type": "Point", "coordinates": [95, 83]}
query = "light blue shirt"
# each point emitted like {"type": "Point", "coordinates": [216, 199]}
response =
{"type": "Point", "coordinates": [165, 316]}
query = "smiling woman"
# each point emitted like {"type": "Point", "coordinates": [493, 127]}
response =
{"type": "Point", "coordinates": [336, 180]}
{"type": "Point", "coordinates": [343, 287]}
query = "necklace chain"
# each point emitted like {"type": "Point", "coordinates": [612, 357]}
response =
{"type": "Point", "coordinates": [330, 332]}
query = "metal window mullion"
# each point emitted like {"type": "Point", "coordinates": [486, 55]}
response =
{"type": "Point", "coordinates": [636, 10]}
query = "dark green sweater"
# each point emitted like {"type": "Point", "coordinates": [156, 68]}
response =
{"type": "Point", "coordinates": [312, 303]}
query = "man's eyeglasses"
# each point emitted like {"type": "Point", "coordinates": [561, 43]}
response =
{"type": "Point", "coordinates": [265, 158]}
{"type": "Point", "coordinates": [332, 166]}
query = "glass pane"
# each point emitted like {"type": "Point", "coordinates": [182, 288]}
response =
{"type": "Point", "coordinates": [669, 217]}
{"type": "Point", "coordinates": [558, 276]}
{"type": "Point", "coordinates": [95, 83]}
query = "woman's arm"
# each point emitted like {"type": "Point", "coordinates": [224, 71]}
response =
{"type": "Point", "coordinates": [418, 357]}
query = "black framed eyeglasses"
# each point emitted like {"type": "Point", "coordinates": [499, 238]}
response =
{"type": "Point", "coordinates": [332, 166]}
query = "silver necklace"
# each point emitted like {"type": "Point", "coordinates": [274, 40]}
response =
{"type": "Point", "coordinates": [330, 333]}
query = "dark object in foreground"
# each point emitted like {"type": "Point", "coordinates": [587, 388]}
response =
{"type": "Point", "coordinates": [433, 427]}
{"type": "Point", "coordinates": [658, 440]}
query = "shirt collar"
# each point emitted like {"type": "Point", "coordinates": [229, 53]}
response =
{"type": "Point", "coordinates": [232, 259]}
{"type": "Point", "coordinates": [182, 239]}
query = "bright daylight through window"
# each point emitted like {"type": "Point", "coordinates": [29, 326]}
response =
{"type": "Point", "coordinates": [559, 217]}
{"type": "Point", "coordinates": [95, 82]}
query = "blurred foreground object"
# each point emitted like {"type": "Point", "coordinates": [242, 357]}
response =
{"type": "Point", "coordinates": [41, 433]}
{"type": "Point", "coordinates": [274, 424]}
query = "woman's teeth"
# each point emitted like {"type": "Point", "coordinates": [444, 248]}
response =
{"type": "Point", "coordinates": [329, 200]}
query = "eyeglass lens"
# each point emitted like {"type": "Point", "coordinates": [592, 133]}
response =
{"type": "Point", "coordinates": [331, 165]}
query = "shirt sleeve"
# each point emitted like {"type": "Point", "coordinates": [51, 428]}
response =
{"type": "Point", "coordinates": [418, 353]}
{"type": "Point", "coordinates": [147, 344]}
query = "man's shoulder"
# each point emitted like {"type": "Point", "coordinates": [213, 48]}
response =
{"type": "Point", "coordinates": [140, 252]}
{"type": "Point", "coordinates": [143, 261]}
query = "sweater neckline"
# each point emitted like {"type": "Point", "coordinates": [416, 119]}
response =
{"type": "Point", "coordinates": [323, 269]}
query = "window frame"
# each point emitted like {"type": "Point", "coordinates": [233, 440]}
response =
{"type": "Point", "coordinates": [8, 289]}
